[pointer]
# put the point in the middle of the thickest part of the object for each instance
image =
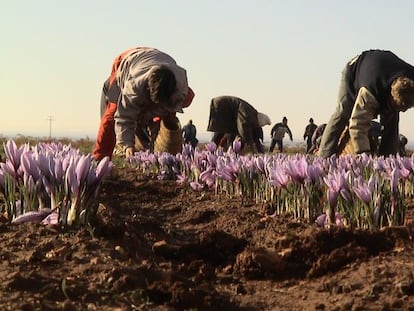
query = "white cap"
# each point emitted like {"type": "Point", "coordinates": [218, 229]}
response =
{"type": "Point", "coordinates": [263, 119]}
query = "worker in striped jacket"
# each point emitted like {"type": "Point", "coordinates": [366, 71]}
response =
{"type": "Point", "coordinates": [145, 85]}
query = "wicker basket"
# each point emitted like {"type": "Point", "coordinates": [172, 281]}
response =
{"type": "Point", "coordinates": [169, 140]}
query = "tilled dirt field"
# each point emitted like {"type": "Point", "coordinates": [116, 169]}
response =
{"type": "Point", "coordinates": [157, 245]}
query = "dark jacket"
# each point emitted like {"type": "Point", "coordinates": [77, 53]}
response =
{"type": "Point", "coordinates": [376, 70]}
{"type": "Point", "coordinates": [278, 131]}
{"type": "Point", "coordinates": [233, 115]}
{"type": "Point", "coordinates": [310, 128]}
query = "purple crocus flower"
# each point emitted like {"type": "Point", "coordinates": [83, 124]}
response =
{"type": "Point", "coordinates": [188, 151]}
{"type": "Point", "coordinates": [82, 168]}
{"type": "Point", "coordinates": [209, 177]}
{"type": "Point", "coordinates": [405, 162]}
{"type": "Point", "coordinates": [212, 159]}
{"type": "Point", "coordinates": [315, 172]}
{"type": "Point", "coordinates": [278, 177]}
{"type": "Point", "coordinates": [403, 171]}
{"type": "Point", "coordinates": [59, 171]}
{"type": "Point", "coordinates": [51, 219]}
{"type": "Point", "coordinates": [226, 175]}
{"type": "Point", "coordinates": [13, 153]}
{"type": "Point", "coordinates": [8, 169]}
{"type": "Point", "coordinates": [335, 180]}
{"type": "Point", "coordinates": [346, 194]}
{"type": "Point", "coordinates": [204, 175]}
{"type": "Point", "coordinates": [227, 169]}
{"type": "Point", "coordinates": [363, 190]}
{"type": "Point", "coordinates": [181, 179]}
{"type": "Point", "coordinates": [30, 166]}
{"type": "Point", "coordinates": [43, 162]}
{"type": "Point", "coordinates": [378, 164]}
{"type": "Point", "coordinates": [103, 169]}
{"type": "Point", "coordinates": [236, 146]}
{"type": "Point", "coordinates": [323, 220]}
{"type": "Point", "coordinates": [332, 197]}
{"type": "Point", "coordinates": [259, 164]}
{"type": "Point", "coordinates": [72, 182]}
{"type": "Point", "coordinates": [196, 186]}
{"type": "Point", "coordinates": [297, 169]}
{"type": "Point", "coordinates": [211, 181]}
{"type": "Point", "coordinates": [211, 147]}
{"type": "Point", "coordinates": [394, 180]}
{"type": "Point", "coordinates": [32, 216]}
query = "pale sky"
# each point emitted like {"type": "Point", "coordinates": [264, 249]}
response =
{"type": "Point", "coordinates": [284, 57]}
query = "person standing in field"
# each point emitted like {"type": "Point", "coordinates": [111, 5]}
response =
{"type": "Point", "coordinates": [190, 133]}
{"type": "Point", "coordinates": [376, 82]}
{"type": "Point", "coordinates": [230, 117]}
{"type": "Point", "coordinates": [145, 85]}
{"type": "Point", "coordinates": [375, 133]}
{"type": "Point", "coordinates": [316, 138]}
{"type": "Point", "coordinates": [310, 128]}
{"type": "Point", "coordinates": [402, 144]}
{"type": "Point", "coordinates": [278, 133]}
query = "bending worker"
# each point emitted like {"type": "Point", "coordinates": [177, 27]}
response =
{"type": "Point", "coordinates": [232, 116]}
{"type": "Point", "coordinates": [316, 138]}
{"type": "Point", "coordinates": [373, 83]}
{"type": "Point", "coordinates": [144, 84]}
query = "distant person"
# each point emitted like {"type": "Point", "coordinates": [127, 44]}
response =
{"type": "Point", "coordinates": [278, 133]}
{"type": "Point", "coordinates": [309, 130]}
{"type": "Point", "coordinates": [403, 143]}
{"type": "Point", "coordinates": [375, 133]}
{"type": "Point", "coordinates": [316, 138]}
{"type": "Point", "coordinates": [144, 83]}
{"type": "Point", "coordinates": [190, 133]}
{"type": "Point", "coordinates": [373, 83]}
{"type": "Point", "coordinates": [231, 116]}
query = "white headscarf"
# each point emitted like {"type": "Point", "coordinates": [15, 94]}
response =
{"type": "Point", "coordinates": [263, 119]}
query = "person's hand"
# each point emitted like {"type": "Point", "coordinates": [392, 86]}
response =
{"type": "Point", "coordinates": [129, 151]}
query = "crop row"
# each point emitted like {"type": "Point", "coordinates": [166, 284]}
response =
{"type": "Point", "coordinates": [360, 191]}
{"type": "Point", "coordinates": [50, 183]}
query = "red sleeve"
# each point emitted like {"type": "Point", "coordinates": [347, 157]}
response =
{"type": "Point", "coordinates": [105, 141]}
{"type": "Point", "coordinates": [189, 98]}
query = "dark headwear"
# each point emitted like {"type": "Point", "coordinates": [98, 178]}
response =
{"type": "Point", "coordinates": [284, 119]}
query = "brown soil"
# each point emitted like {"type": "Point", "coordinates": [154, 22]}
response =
{"type": "Point", "coordinates": [157, 245]}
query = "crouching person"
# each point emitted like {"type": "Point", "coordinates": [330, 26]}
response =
{"type": "Point", "coordinates": [231, 117]}
{"type": "Point", "coordinates": [376, 82]}
{"type": "Point", "coordinates": [144, 84]}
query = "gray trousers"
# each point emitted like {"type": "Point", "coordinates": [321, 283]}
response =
{"type": "Point", "coordinates": [340, 118]}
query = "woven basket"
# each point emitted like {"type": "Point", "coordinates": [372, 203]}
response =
{"type": "Point", "coordinates": [138, 144]}
{"type": "Point", "coordinates": [168, 140]}
{"type": "Point", "coordinates": [345, 145]}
